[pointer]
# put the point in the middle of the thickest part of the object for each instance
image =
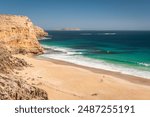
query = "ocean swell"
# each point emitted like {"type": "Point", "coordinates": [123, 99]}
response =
{"type": "Point", "coordinates": [75, 56]}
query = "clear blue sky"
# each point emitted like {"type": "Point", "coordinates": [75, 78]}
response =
{"type": "Point", "coordinates": [85, 14]}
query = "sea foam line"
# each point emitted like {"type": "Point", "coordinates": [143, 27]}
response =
{"type": "Point", "coordinates": [68, 51]}
{"type": "Point", "coordinates": [70, 55]}
{"type": "Point", "coordinates": [144, 64]}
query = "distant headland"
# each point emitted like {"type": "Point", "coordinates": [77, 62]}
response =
{"type": "Point", "coordinates": [71, 29]}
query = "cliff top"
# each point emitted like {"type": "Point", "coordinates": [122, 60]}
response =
{"type": "Point", "coordinates": [20, 33]}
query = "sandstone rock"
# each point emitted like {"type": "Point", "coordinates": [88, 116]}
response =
{"type": "Point", "coordinates": [17, 89]}
{"type": "Point", "coordinates": [40, 32]}
{"type": "Point", "coordinates": [8, 63]}
{"type": "Point", "coordinates": [20, 34]}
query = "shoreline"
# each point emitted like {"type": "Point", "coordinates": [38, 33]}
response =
{"type": "Point", "coordinates": [93, 63]}
{"type": "Point", "coordinates": [131, 78]}
{"type": "Point", "coordinates": [67, 81]}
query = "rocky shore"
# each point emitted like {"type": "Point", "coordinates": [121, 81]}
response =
{"type": "Point", "coordinates": [18, 35]}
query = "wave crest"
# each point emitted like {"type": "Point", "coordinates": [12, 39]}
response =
{"type": "Point", "coordinates": [144, 64]}
{"type": "Point", "coordinates": [74, 56]}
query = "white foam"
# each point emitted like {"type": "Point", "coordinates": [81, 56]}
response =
{"type": "Point", "coordinates": [44, 38]}
{"type": "Point", "coordinates": [69, 56]}
{"type": "Point", "coordinates": [110, 33]}
{"type": "Point", "coordinates": [107, 33]}
{"type": "Point", "coordinates": [68, 51]}
{"type": "Point", "coordinates": [144, 64]}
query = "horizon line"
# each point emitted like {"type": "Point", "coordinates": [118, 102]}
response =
{"type": "Point", "coordinates": [92, 30]}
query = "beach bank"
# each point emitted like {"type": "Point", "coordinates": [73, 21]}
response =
{"type": "Point", "coordinates": [67, 81]}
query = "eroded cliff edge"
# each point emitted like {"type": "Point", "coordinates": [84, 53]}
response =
{"type": "Point", "coordinates": [18, 35]}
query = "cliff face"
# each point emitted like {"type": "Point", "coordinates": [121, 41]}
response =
{"type": "Point", "coordinates": [19, 33]}
{"type": "Point", "coordinates": [9, 63]}
{"type": "Point", "coordinates": [40, 32]}
{"type": "Point", "coordinates": [11, 86]}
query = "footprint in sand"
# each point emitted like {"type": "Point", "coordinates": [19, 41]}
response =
{"type": "Point", "coordinates": [94, 94]}
{"type": "Point", "coordinates": [101, 80]}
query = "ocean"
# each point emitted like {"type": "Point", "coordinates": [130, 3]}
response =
{"type": "Point", "coordinates": [127, 52]}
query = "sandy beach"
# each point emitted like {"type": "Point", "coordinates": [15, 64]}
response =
{"type": "Point", "coordinates": [66, 81]}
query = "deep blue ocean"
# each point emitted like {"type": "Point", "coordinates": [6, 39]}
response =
{"type": "Point", "coordinates": [127, 52]}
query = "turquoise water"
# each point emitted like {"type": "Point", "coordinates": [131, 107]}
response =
{"type": "Point", "coordinates": [120, 51]}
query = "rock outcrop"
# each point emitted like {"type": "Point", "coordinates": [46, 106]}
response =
{"type": "Point", "coordinates": [8, 63]}
{"type": "Point", "coordinates": [12, 87]}
{"type": "Point", "coordinates": [40, 32]}
{"type": "Point", "coordinates": [20, 34]}
{"type": "Point", "coordinates": [17, 89]}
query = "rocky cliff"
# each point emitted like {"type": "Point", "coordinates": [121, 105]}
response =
{"type": "Point", "coordinates": [11, 86]}
{"type": "Point", "coordinates": [20, 34]}
{"type": "Point", "coordinates": [9, 63]}
{"type": "Point", "coordinates": [40, 32]}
